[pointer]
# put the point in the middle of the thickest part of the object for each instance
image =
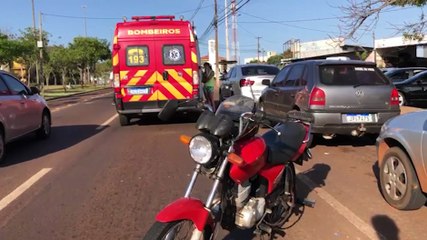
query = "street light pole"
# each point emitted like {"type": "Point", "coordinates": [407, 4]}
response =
{"type": "Point", "coordinates": [34, 33]}
{"type": "Point", "coordinates": [40, 46]}
{"type": "Point", "coordinates": [84, 14]}
{"type": "Point", "coordinates": [216, 88]}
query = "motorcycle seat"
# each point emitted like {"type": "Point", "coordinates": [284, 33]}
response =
{"type": "Point", "coordinates": [286, 146]}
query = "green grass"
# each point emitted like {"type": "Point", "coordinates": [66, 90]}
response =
{"type": "Point", "coordinates": [55, 91]}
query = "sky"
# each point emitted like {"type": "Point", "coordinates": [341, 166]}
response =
{"type": "Point", "coordinates": [274, 21]}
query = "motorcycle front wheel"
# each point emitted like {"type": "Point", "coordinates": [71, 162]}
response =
{"type": "Point", "coordinates": [179, 230]}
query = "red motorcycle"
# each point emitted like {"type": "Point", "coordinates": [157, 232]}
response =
{"type": "Point", "coordinates": [253, 176]}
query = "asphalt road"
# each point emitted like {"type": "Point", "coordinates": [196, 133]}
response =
{"type": "Point", "coordinates": [96, 180]}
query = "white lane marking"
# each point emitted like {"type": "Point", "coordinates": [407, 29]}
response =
{"type": "Point", "coordinates": [84, 101]}
{"type": "Point", "coordinates": [21, 189]}
{"type": "Point", "coordinates": [107, 122]}
{"type": "Point", "coordinates": [341, 209]}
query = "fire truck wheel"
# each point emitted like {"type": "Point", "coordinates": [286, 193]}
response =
{"type": "Point", "coordinates": [124, 120]}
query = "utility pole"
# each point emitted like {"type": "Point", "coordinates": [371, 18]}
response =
{"type": "Point", "coordinates": [216, 88]}
{"type": "Point", "coordinates": [84, 16]}
{"type": "Point", "coordinates": [234, 28]}
{"type": "Point", "coordinates": [227, 47]}
{"type": "Point", "coordinates": [35, 36]}
{"type": "Point", "coordinates": [40, 46]}
{"type": "Point", "coordinates": [258, 51]}
{"type": "Point", "coordinates": [374, 49]}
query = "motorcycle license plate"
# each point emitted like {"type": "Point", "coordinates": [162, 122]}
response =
{"type": "Point", "coordinates": [138, 91]}
{"type": "Point", "coordinates": [359, 118]}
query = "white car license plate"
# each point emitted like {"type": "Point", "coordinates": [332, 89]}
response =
{"type": "Point", "coordinates": [138, 91]}
{"type": "Point", "coordinates": [358, 118]}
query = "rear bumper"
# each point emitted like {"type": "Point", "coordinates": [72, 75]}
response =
{"type": "Point", "coordinates": [138, 108]}
{"type": "Point", "coordinates": [328, 123]}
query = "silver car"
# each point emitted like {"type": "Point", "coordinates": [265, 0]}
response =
{"type": "Point", "coordinates": [247, 80]}
{"type": "Point", "coordinates": [22, 111]}
{"type": "Point", "coordinates": [402, 160]}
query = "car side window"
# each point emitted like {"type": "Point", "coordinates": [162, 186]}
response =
{"type": "Point", "coordinates": [295, 75]}
{"type": "Point", "coordinates": [280, 77]}
{"type": "Point", "coordinates": [233, 73]}
{"type": "Point", "coordinates": [3, 88]}
{"type": "Point", "coordinates": [15, 86]}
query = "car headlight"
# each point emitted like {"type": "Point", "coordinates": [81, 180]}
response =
{"type": "Point", "coordinates": [203, 148]}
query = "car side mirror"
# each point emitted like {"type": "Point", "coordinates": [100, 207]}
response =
{"type": "Point", "coordinates": [34, 90]}
{"type": "Point", "coordinates": [266, 82]}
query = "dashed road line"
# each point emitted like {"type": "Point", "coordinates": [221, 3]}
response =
{"type": "Point", "coordinates": [355, 220]}
{"type": "Point", "coordinates": [22, 188]}
{"type": "Point", "coordinates": [105, 124]}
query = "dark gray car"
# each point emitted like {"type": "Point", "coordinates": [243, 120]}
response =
{"type": "Point", "coordinates": [22, 111]}
{"type": "Point", "coordinates": [343, 96]}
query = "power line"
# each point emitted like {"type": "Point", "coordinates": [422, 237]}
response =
{"type": "Point", "coordinates": [197, 9]}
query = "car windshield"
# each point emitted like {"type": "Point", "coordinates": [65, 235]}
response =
{"type": "Point", "coordinates": [351, 75]}
{"type": "Point", "coordinates": [234, 106]}
{"type": "Point", "coordinates": [259, 70]}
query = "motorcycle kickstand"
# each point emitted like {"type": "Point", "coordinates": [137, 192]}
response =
{"type": "Point", "coordinates": [262, 227]}
{"type": "Point", "coordinates": [306, 202]}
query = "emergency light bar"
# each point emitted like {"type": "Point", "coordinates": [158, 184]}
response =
{"type": "Point", "coordinates": [137, 18]}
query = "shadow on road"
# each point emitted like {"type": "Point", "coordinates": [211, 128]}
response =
{"type": "Point", "coordinates": [62, 137]}
{"type": "Point", "coordinates": [308, 181]}
{"type": "Point", "coordinates": [178, 118]}
{"type": "Point", "coordinates": [342, 140]}
{"type": "Point", "coordinates": [385, 227]}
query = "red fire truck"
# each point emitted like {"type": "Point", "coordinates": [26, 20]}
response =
{"type": "Point", "coordinates": [155, 59]}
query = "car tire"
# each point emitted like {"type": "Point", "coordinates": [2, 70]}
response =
{"type": "Point", "coordinates": [124, 120]}
{"type": "Point", "coordinates": [402, 99]}
{"type": "Point", "coordinates": [221, 98]}
{"type": "Point", "coordinates": [396, 170]}
{"type": "Point", "coordinates": [2, 147]}
{"type": "Point", "coordinates": [45, 129]}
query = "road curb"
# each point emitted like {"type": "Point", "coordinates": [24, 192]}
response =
{"type": "Point", "coordinates": [78, 94]}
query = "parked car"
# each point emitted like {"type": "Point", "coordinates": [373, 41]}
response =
{"type": "Point", "coordinates": [402, 160]}
{"type": "Point", "coordinates": [343, 96]}
{"type": "Point", "coordinates": [413, 91]}
{"type": "Point", "coordinates": [400, 74]}
{"type": "Point", "coordinates": [246, 80]}
{"type": "Point", "coordinates": [22, 111]}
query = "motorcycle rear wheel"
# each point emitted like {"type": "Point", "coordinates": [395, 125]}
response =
{"type": "Point", "coordinates": [283, 211]}
{"type": "Point", "coordinates": [181, 230]}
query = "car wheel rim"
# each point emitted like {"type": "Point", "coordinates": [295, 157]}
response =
{"type": "Point", "coordinates": [401, 100]}
{"type": "Point", "coordinates": [395, 178]}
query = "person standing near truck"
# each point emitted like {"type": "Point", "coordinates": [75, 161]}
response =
{"type": "Point", "coordinates": [208, 79]}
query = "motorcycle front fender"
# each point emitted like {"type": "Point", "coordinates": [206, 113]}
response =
{"type": "Point", "coordinates": [187, 209]}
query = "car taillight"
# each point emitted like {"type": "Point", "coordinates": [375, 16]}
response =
{"type": "Point", "coordinates": [394, 98]}
{"type": "Point", "coordinates": [246, 82]}
{"type": "Point", "coordinates": [317, 97]}
{"type": "Point", "coordinates": [116, 80]}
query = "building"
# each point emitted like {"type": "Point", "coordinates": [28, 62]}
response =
{"type": "Point", "coordinates": [327, 48]}
{"type": "Point", "coordinates": [400, 52]}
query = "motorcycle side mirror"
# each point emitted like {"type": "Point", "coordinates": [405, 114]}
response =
{"type": "Point", "coordinates": [168, 110]}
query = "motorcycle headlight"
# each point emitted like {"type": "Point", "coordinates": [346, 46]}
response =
{"type": "Point", "coordinates": [203, 149]}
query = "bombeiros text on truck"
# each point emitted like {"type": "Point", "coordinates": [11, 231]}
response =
{"type": "Point", "coordinates": [155, 59]}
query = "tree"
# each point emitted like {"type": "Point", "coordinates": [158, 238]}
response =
{"type": "Point", "coordinates": [61, 59]}
{"type": "Point", "coordinates": [87, 52]}
{"type": "Point", "coordinates": [31, 54]}
{"type": "Point", "coordinates": [10, 49]}
{"type": "Point", "coordinates": [363, 15]}
{"type": "Point", "coordinates": [276, 59]}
